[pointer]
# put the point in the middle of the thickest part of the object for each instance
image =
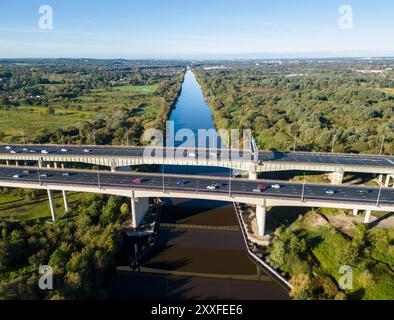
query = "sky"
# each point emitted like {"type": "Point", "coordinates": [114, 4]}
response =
{"type": "Point", "coordinates": [195, 29]}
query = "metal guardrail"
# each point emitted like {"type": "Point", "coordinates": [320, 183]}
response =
{"type": "Point", "coordinates": [263, 264]}
{"type": "Point", "coordinates": [199, 227]}
{"type": "Point", "coordinates": [306, 199]}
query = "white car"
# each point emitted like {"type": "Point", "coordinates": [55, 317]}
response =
{"type": "Point", "coordinates": [16, 176]}
{"type": "Point", "coordinates": [65, 174]}
{"type": "Point", "coordinates": [25, 150]}
{"type": "Point", "coordinates": [64, 150]}
{"type": "Point", "coordinates": [32, 151]}
{"type": "Point", "coordinates": [275, 186]}
{"type": "Point", "coordinates": [86, 150]}
{"type": "Point", "coordinates": [213, 186]}
{"type": "Point", "coordinates": [44, 175]}
{"type": "Point", "coordinates": [26, 172]}
{"type": "Point", "coordinates": [192, 155]}
{"type": "Point", "coordinates": [8, 148]}
{"type": "Point", "coordinates": [44, 151]}
{"type": "Point", "coordinates": [13, 151]}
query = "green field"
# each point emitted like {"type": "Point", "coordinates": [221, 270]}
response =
{"type": "Point", "coordinates": [28, 120]}
{"type": "Point", "coordinates": [14, 207]}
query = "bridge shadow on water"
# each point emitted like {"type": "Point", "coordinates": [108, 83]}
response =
{"type": "Point", "coordinates": [190, 254]}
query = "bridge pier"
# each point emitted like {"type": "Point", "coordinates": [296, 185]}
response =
{"type": "Point", "coordinates": [367, 216]}
{"type": "Point", "coordinates": [355, 212]}
{"type": "Point", "coordinates": [139, 207]}
{"type": "Point", "coordinates": [7, 163]}
{"type": "Point", "coordinates": [261, 212]}
{"type": "Point", "coordinates": [252, 175]}
{"type": "Point", "coordinates": [388, 180]}
{"type": "Point", "coordinates": [52, 205]}
{"type": "Point", "coordinates": [55, 165]}
{"type": "Point", "coordinates": [65, 200]}
{"type": "Point", "coordinates": [337, 177]}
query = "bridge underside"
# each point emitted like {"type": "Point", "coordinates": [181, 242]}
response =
{"type": "Point", "coordinates": [139, 206]}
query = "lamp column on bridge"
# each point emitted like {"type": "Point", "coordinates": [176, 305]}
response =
{"type": "Point", "coordinates": [139, 207]}
{"type": "Point", "coordinates": [261, 212]}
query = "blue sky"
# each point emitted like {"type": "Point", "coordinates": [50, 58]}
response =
{"type": "Point", "coordinates": [195, 28]}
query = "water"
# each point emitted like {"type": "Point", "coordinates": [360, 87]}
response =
{"type": "Point", "coordinates": [207, 255]}
{"type": "Point", "coordinates": [192, 112]}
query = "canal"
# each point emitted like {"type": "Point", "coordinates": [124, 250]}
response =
{"type": "Point", "coordinates": [200, 253]}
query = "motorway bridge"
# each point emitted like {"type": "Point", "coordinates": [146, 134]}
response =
{"type": "Point", "coordinates": [261, 161]}
{"type": "Point", "coordinates": [231, 190]}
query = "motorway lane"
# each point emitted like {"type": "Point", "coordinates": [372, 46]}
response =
{"type": "Point", "coordinates": [263, 156]}
{"type": "Point", "coordinates": [199, 184]}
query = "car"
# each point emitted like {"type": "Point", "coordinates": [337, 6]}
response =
{"type": "Point", "coordinates": [364, 191]}
{"type": "Point", "coordinates": [213, 186]}
{"type": "Point", "coordinates": [86, 150]}
{"type": "Point", "coordinates": [64, 150]}
{"type": "Point", "coordinates": [192, 155]}
{"type": "Point", "coordinates": [25, 150]}
{"type": "Point", "coordinates": [8, 148]}
{"type": "Point", "coordinates": [43, 175]}
{"type": "Point", "coordinates": [65, 174]}
{"type": "Point", "coordinates": [260, 188]}
{"type": "Point", "coordinates": [16, 176]}
{"type": "Point", "coordinates": [13, 151]}
{"type": "Point", "coordinates": [32, 151]}
{"type": "Point", "coordinates": [138, 180]}
{"type": "Point", "coordinates": [275, 186]}
{"type": "Point", "coordinates": [26, 172]}
{"type": "Point", "coordinates": [330, 192]}
{"type": "Point", "coordinates": [180, 182]}
{"type": "Point", "coordinates": [44, 151]}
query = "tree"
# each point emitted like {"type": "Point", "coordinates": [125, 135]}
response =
{"type": "Point", "coordinates": [301, 284]}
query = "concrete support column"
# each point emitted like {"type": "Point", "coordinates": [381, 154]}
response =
{"type": "Point", "coordinates": [113, 169]}
{"type": "Point", "coordinates": [7, 163]}
{"type": "Point", "coordinates": [380, 178]}
{"type": "Point", "coordinates": [16, 163]}
{"type": "Point", "coordinates": [261, 212]}
{"type": "Point", "coordinates": [367, 216]}
{"type": "Point", "coordinates": [62, 165]}
{"type": "Point", "coordinates": [139, 207]}
{"type": "Point", "coordinates": [55, 165]}
{"type": "Point", "coordinates": [40, 163]}
{"type": "Point", "coordinates": [48, 165]}
{"type": "Point", "coordinates": [52, 205]}
{"type": "Point", "coordinates": [387, 183]}
{"type": "Point", "coordinates": [65, 200]}
{"type": "Point", "coordinates": [337, 177]}
{"type": "Point", "coordinates": [355, 212]}
{"type": "Point", "coordinates": [252, 175]}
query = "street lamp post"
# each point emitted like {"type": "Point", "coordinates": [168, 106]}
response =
{"type": "Point", "coordinates": [162, 174]}
{"type": "Point", "coordinates": [303, 189]}
{"type": "Point", "coordinates": [379, 194]}
{"type": "Point", "coordinates": [98, 177]}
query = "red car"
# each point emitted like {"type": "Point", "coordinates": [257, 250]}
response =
{"type": "Point", "coordinates": [260, 189]}
{"type": "Point", "coordinates": [138, 180]}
